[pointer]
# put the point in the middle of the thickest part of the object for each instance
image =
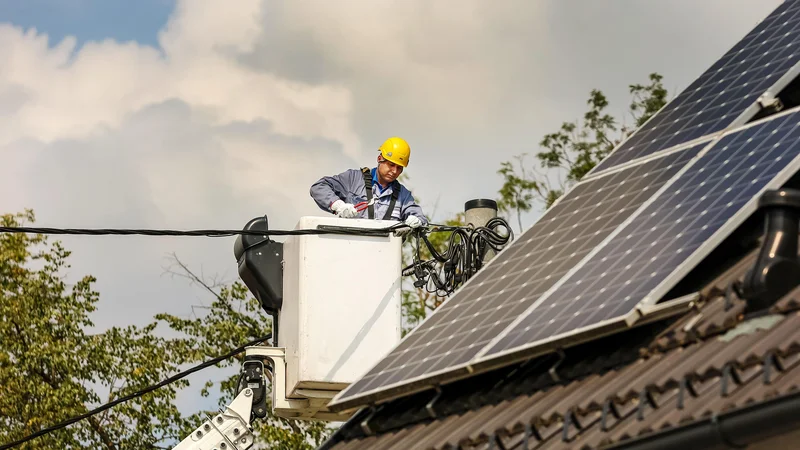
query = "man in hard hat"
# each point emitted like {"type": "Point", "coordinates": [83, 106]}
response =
{"type": "Point", "coordinates": [372, 193]}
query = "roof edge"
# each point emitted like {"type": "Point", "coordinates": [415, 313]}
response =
{"type": "Point", "coordinates": [733, 429]}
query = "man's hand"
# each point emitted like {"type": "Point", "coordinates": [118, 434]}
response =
{"type": "Point", "coordinates": [411, 223]}
{"type": "Point", "coordinates": [344, 210]}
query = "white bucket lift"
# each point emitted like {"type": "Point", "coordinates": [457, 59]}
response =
{"type": "Point", "coordinates": [337, 299]}
{"type": "Point", "coordinates": [341, 311]}
{"type": "Point", "coordinates": [338, 309]}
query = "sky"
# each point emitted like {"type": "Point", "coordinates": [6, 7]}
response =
{"type": "Point", "coordinates": [201, 114]}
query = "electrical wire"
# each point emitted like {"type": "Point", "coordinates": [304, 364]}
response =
{"type": "Point", "coordinates": [136, 394]}
{"type": "Point", "coordinates": [321, 229]}
{"type": "Point", "coordinates": [462, 258]}
{"type": "Point", "coordinates": [202, 233]}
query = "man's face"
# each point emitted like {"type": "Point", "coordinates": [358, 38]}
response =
{"type": "Point", "coordinates": [388, 171]}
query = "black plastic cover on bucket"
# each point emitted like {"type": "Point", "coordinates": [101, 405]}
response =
{"type": "Point", "coordinates": [260, 263]}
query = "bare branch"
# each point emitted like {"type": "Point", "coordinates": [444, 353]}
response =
{"type": "Point", "coordinates": [191, 276]}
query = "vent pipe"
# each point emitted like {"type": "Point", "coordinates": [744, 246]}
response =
{"type": "Point", "coordinates": [479, 212]}
{"type": "Point", "coordinates": [777, 269]}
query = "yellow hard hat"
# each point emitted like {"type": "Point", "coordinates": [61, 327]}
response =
{"type": "Point", "coordinates": [396, 150]}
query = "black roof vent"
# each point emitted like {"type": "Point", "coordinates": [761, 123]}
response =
{"type": "Point", "coordinates": [777, 269]}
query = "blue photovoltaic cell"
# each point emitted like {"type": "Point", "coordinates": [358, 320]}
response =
{"type": "Point", "coordinates": [661, 237]}
{"type": "Point", "coordinates": [721, 94]}
{"type": "Point", "coordinates": [534, 262]}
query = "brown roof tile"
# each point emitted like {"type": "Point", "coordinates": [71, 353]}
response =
{"type": "Point", "coordinates": [709, 361]}
{"type": "Point", "coordinates": [789, 302]}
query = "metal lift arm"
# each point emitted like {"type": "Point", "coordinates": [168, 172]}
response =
{"type": "Point", "coordinates": [228, 430]}
{"type": "Point", "coordinates": [231, 430]}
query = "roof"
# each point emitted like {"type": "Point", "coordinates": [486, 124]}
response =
{"type": "Point", "coordinates": [711, 362]}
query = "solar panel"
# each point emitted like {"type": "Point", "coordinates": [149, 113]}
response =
{"type": "Point", "coordinates": [667, 238]}
{"type": "Point", "coordinates": [724, 95]}
{"type": "Point", "coordinates": [455, 333]}
{"type": "Point", "coordinates": [552, 282]}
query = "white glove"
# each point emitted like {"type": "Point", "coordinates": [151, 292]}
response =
{"type": "Point", "coordinates": [412, 222]}
{"type": "Point", "coordinates": [344, 210]}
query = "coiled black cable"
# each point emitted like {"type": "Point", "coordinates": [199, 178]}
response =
{"type": "Point", "coordinates": [462, 258]}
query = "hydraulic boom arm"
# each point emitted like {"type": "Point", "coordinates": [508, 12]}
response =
{"type": "Point", "coordinates": [230, 429]}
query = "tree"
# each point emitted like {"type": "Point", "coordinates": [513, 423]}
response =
{"type": "Point", "coordinates": [51, 369]}
{"type": "Point", "coordinates": [517, 192]}
{"type": "Point", "coordinates": [568, 154]}
{"type": "Point", "coordinates": [647, 100]}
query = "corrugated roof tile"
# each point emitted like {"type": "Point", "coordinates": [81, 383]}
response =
{"type": "Point", "coordinates": [711, 360]}
{"type": "Point", "coordinates": [789, 302]}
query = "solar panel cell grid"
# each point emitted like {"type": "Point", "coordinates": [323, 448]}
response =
{"type": "Point", "coordinates": [660, 239]}
{"type": "Point", "coordinates": [503, 290]}
{"type": "Point", "coordinates": [720, 95]}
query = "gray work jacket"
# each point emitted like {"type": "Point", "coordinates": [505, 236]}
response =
{"type": "Point", "coordinates": [348, 186]}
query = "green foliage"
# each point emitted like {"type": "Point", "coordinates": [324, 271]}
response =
{"type": "Point", "coordinates": [517, 192]}
{"type": "Point", "coordinates": [51, 369]}
{"type": "Point", "coordinates": [571, 152]}
{"type": "Point", "coordinates": [647, 99]}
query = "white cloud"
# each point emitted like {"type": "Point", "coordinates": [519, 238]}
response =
{"type": "Point", "coordinates": [114, 111]}
{"type": "Point", "coordinates": [207, 27]}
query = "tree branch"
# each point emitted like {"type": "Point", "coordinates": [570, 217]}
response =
{"type": "Point", "coordinates": [198, 280]}
{"type": "Point", "coordinates": [93, 422]}
{"type": "Point", "coordinates": [98, 428]}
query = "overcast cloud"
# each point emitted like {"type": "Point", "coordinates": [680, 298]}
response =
{"type": "Point", "coordinates": [239, 109]}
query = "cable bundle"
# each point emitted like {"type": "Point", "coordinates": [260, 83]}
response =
{"type": "Point", "coordinates": [462, 258]}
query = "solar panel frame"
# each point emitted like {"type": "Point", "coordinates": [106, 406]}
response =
{"type": "Point", "coordinates": [637, 314]}
{"type": "Point", "coordinates": [663, 167]}
{"type": "Point", "coordinates": [767, 94]}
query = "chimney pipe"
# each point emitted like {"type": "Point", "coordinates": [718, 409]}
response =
{"type": "Point", "coordinates": [479, 212]}
{"type": "Point", "coordinates": [777, 269]}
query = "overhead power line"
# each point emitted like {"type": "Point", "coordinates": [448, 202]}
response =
{"type": "Point", "coordinates": [322, 229]}
{"type": "Point", "coordinates": [136, 394]}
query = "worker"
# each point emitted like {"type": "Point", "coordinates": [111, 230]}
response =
{"type": "Point", "coordinates": [373, 193]}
